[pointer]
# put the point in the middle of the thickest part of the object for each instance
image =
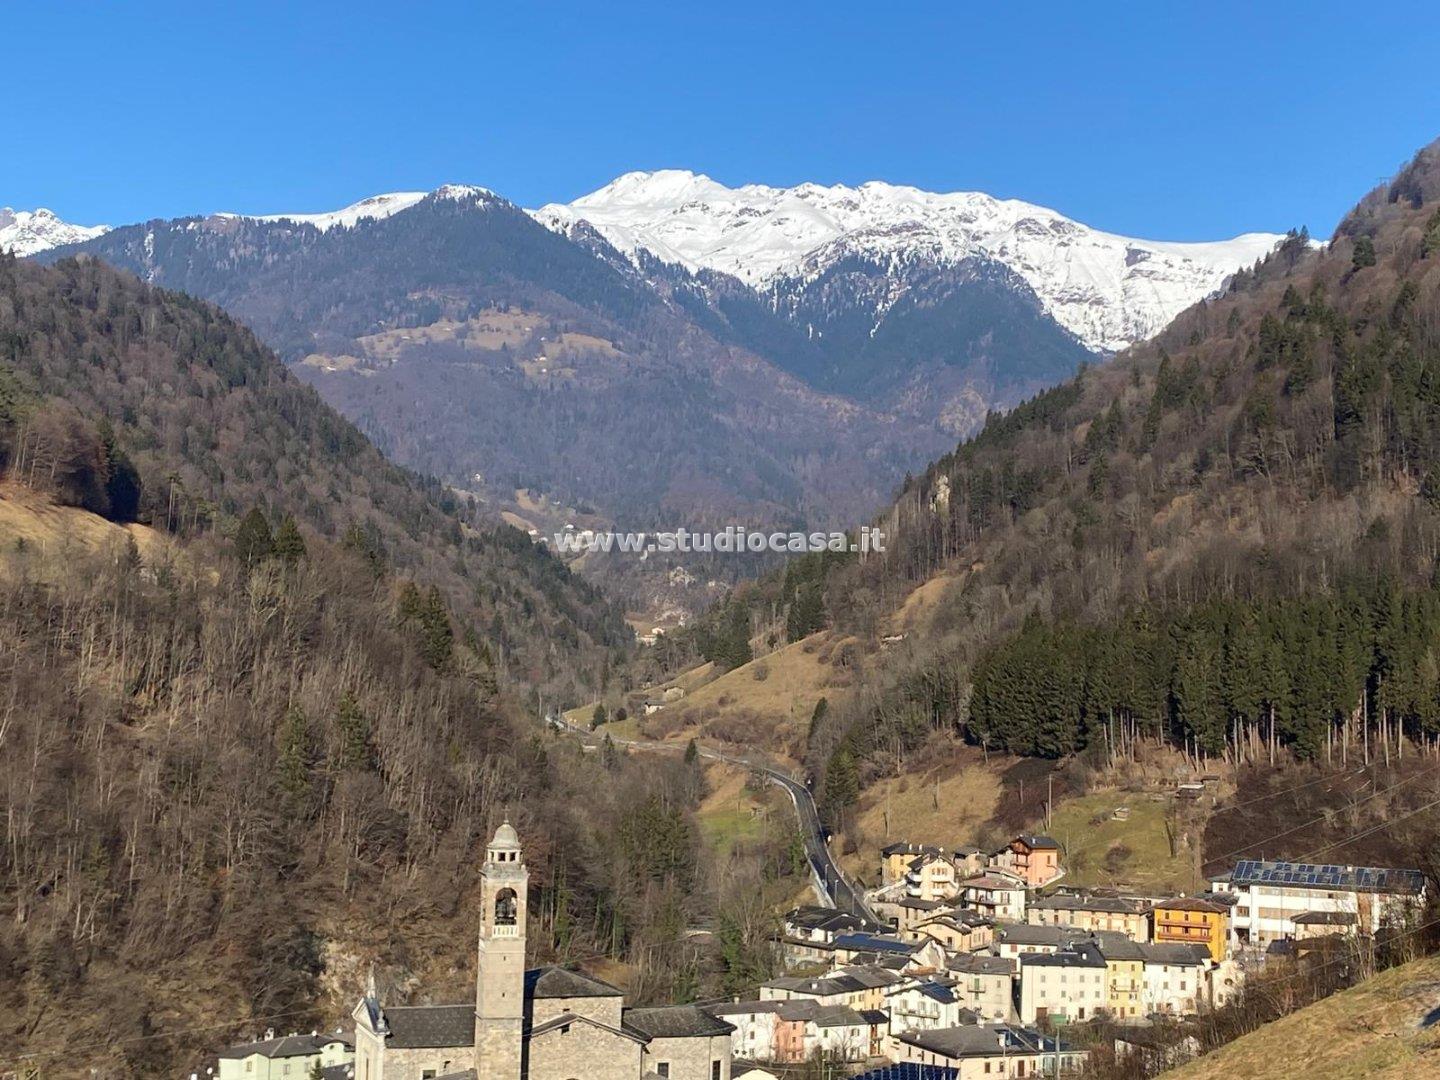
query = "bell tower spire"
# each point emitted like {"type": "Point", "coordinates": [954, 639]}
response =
{"type": "Point", "coordinates": [500, 967]}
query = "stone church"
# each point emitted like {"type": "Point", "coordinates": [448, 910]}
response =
{"type": "Point", "coordinates": [543, 1024]}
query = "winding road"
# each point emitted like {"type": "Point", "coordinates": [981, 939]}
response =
{"type": "Point", "coordinates": [829, 880]}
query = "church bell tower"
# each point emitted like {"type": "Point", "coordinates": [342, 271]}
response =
{"type": "Point", "coordinates": [500, 971]}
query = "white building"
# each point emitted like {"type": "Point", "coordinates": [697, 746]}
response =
{"type": "Point", "coordinates": [925, 1006]}
{"type": "Point", "coordinates": [754, 1023]}
{"type": "Point", "coordinates": [1070, 984]}
{"type": "Point", "coordinates": [1174, 980]}
{"type": "Point", "coordinates": [1269, 896]}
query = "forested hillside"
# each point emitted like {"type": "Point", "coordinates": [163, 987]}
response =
{"type": "Point", "coordinates": [1226, 538]}
{"type": "Point", "coordinates": [260, 748]}
{"type": "Point", "coordinates": [155, 407]}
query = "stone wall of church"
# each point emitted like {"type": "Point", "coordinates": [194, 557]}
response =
{"type": "Point", "coordinates": [605, 1010]}
{"type": "Point", "coordinates": [584, 1052]}
{"type": "Point", "coordinates": [692, 1058]}
{"type": "Point", "coordinates": [398, 1063]}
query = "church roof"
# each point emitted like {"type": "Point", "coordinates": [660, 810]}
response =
{"type": "Point", "coordinates": [421, 1026]}
{"type": "Point", "coordinates": [565, 1019]}
{"type": "Point", "coordinates": [558, 982]}
{"type": "Point", "coordinates": [676, 1022]}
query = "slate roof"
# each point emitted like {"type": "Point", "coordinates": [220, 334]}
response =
{"type": "Point", "coordinates": [1165, 952]}
{"type": "Point", "coordinates": [876, 944]}
{"type": "Point", "coordinates": [419, 1026]}
{"type": "Point", "coordinates": [828, 1016]}
{"type": "Point", "coordinates": [558, 982]}
{"type": "Point", "coordinates": [871, 976]}
{"type": "Point", "coordinates": [1087, 956]}
{"type": "Point", "coordinates": [993, 881]}
{"type": "Point", "coordinates": [1035, 842]}
{"type": "Point", "coordinates": [676, 1022]}
{"type": "Point", "coordinates": [744, 1008]}
{"type": "Point", "coordinates": [974, 964]}
{"type": "Point", "coordinates": [1190, 903]}
{"type": "Point", "coordinates": [1116, 905]}
{"type": "Point", "coordinates": [979, 1040]}
{"type": "Point", "coordinates": [287, 1046]}
{"type": "Point", "coordinates": [903, 848]}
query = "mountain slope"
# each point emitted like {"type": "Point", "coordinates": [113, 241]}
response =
{"type": "Point", "coordinates": [1109, 291]}
{"type": "Point", "coordinates": [140, 358]}
{"type": "Point", "coordinates": [1223, 539]}
{"type": "Point", "coordinates": [478, 346]}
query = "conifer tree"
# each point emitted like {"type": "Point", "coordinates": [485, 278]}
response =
{"type": "Point", "coordinates": [289, 545]}
{"type": "Point", "coordinates": [253, 542]}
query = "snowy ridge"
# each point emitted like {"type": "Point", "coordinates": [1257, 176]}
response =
{"type": "Point", "coordinates": [26, 232]}
{"type": "Point", "coordinates": [1110, 291]}
{"type": "Point", "coordinates": [376, 206]}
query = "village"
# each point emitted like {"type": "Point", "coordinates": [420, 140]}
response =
{"type": "Point", "coordinates": [968, 964]}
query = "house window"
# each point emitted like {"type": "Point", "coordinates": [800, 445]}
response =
{"type": "Point", "coordinates": [427, 1074]}
{"type": "Point", "coordinates": [662, 1068]}
{"type": "Point", "coordinates": [715, 1070]}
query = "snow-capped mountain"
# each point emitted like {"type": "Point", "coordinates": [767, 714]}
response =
{"type": "Point", "coordinates": [25, 232]}
{"type": "Point", "coordinates": [1109, 291]}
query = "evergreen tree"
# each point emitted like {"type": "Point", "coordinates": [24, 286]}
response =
{"type": "Point", "coordinates": [692, 752]}
{"type": "Point", "coordinates": [1363, 254]}
{"type": "Point", "coordinates": [353, 729]}
{"type": "Point", "coordinates": [296, 754]}
{"type": "Point", "coordinates": [253, 542]}
{"type": "Point", "coordinates": [437, 637]}
{"type": "Point", "coordinates": [597, 719]}
{"type": "Point", "coordinates": [289, 545]}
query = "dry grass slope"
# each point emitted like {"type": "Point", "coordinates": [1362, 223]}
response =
{"type": "Point", "coordinates": [1375, 1031]}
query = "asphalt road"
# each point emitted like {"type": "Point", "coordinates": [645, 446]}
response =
{"type": "Point", "coordinates": [828, 876]}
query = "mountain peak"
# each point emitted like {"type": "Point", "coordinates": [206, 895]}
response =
{"type": "Point", "coordinates": [1109, 291]}
{"type": "Point", "coordinates": [26, 232]}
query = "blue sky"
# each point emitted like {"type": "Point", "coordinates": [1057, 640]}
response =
{"type": "Point", "coordinates": [1165, 121]}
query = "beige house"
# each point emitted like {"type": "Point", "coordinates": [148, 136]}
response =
{"type": "Point", "coordinates": [1115, 914]}
{"type": "Point", "coordinates": [542, 1024]}
{"type": "Point", "coordinates": [960, 931]}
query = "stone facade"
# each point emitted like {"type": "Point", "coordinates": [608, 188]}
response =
{"type": "Point", "coordinates": [582, 1050]}
{"type": "Point", "coordinates": [705, 1058]}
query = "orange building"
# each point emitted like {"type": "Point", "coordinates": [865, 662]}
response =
{"type": "Point", "coordinates": [1192, 920]}
{"type": "Point", "coordinates": [1035, 859]}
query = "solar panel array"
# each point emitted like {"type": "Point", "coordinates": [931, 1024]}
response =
{"type": "Point", "coordinates": [1327, 876]}
{"type": "Point", "coordinates": [912, 1071]}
